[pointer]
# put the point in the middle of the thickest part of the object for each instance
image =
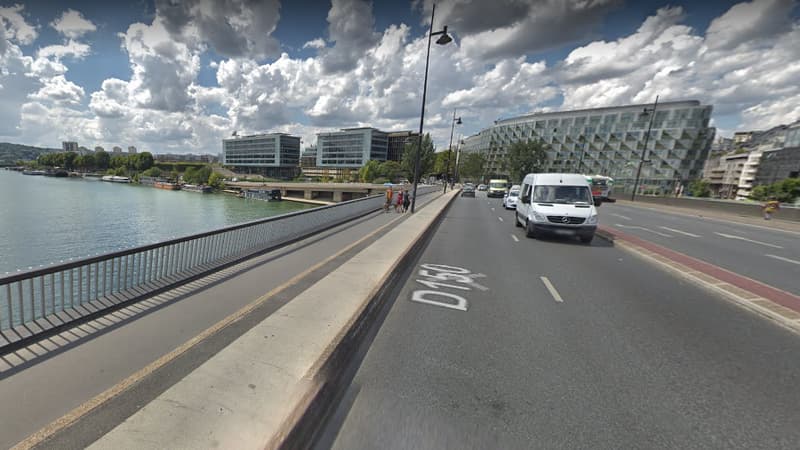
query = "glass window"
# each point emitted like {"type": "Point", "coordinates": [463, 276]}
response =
{"type": "Point", "coordinates": [562, 194]}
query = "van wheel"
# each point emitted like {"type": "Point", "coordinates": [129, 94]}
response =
{"type": "Point", "coordinates": [529, 231]}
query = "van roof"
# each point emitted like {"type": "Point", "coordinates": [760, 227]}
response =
{"type": "Point", "coordinates": [569, 179]}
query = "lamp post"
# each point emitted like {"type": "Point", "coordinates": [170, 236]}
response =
{"type": "Point", "coordinates": [450, 151]}
{"type": "Point", "coordinates": [443, 40]}
{"type": "Point", "coordinates": [644, 150]}
{"type": "Point", "coordinates": [458, 157]}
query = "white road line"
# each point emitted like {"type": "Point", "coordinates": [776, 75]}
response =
{"type": "Point", "coordinates": [621, 216]}
{"type": "Point", "coordinates": [680, 232]}
{"type": "Point", "coordinates": [552, 289]}
{"type": "Point", "coordinates": [500, 219]}
{"type": "Point", "coordinates": [492, 209]}
{"type": "Point", "coordinates": [731, 236]}
{"type": "Point", "coordinates": [516, 239]}
{"type": "Point", "coordinates": [784, 259]}
{"type": "Point", "coordinates": [643, 229]}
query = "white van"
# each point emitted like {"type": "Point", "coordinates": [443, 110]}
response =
{"type": "Point", "coordinates": [558, 203]}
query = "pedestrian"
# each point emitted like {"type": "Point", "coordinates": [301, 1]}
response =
{"type": "Point", "coordinates": [389, 196]}
{"type": "Point", "coordinates": [406, 200]}
{"type": "Point", "coordinates": [398, 206]}
{"type": "Point", "coordinates": [770, 207]}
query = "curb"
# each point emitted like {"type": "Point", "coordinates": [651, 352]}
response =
{"type": "Point", "coordinates": [767, 308]}
{"type": "Point", "coordinates": [303, 425]}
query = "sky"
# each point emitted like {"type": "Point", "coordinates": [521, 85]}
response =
{"type": "Point", "coordinates": [172, 76]}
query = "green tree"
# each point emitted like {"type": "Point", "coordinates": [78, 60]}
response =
{"type": "Point", "coordinates": [194, 175]}
{"type": "Point", "coordinates": [785, 191]}
{"type": "Point", "coordinates": [441, 164]}
{"type": "Point", "coordinates": [524, 158]}
{"type": "Point", "coordinates": [118, 161]}
{"type": "Point", "coordinates": [69, 160]}
{"type": "Point", "coordinates": [699, 188]}
{"type": "Point", "coordinates": [472, 165]}
{"type": "Point", "coordinates": [427, 157]}
{"type": "Point", "coordinates": [102, 160]}
{"type": "Point", "coordinates": [216, 181]}
{"type": "Point", "coordinates": [369, 171]}
{"type": "Point", "coordinates": [144, 161]}
{"type": "Point", "coordinates": [152, 172]}
{"type": "Point", "coordinates": [390, 170]}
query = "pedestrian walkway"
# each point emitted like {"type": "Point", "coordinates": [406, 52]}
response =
{"type": "Point", "coordinates": [775, 223]}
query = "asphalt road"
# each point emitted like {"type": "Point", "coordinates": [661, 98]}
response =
{"type": "Point", "coordinates": [44, 382]}
{"type": "Point", "coordinates": [767, 255]}
{"type": "Point", "coordinates": [630, 357]}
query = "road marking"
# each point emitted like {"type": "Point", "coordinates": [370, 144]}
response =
{"type": "Point", "coordinates": [731, 236]}
{"type": "Point", "coordinates": [500, 219]}
{"type": "Point", "coordinates": [680, 232]}
{"type": "Point", "coordinates": [492, 209]}
{"type": "Point", "coordinates": [552, 289]}
{"type": "Point", "coordinates": [643, 229]}
{"type": "Point", "coordinates": [516, 239]}
{"type": "Point", "coordinates": [621, 216]}
{"type": "Point", "coordinates": [784, 259]}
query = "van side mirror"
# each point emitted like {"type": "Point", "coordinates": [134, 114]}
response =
{"type": "Point", "coordinates": [597, 201]}
{"type": "Point", "coordinates": [526, 199]}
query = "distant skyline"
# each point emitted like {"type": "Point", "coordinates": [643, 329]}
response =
{"type": "Point", "coordinates": [179, 78]}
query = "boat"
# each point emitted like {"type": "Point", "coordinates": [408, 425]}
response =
{"type": "Point", "coordinates": [60, 173]}
{"type": "Point", "coordinates": [92, 177]}
{"type": "Point", "coordinates": [203, 189]}
{"type": "Point", "coordinates": [33, 172]}
{"type": "Point", "coordinates": [116, 179]}
{"type": "Point", "coordinates": [166, 185]}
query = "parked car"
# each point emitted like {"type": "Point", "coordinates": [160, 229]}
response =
{"type": "Point", "coordinates": [468, 190]}
{"type": "Point", "coordinates": [510, 200]}
{"type": "Point", "coordinates": [481, 187]}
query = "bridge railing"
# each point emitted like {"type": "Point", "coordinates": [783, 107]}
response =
{"type": "Point", "coordinates": [35, 301]}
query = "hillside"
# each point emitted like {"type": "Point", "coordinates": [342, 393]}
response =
{"type": "Point", "coordinates": [10, 153]}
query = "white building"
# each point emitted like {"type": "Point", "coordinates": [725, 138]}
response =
{"type": "Point", "coordinates": [272, 155]}
{"type": "Point", "coordinates": [132, 150]}
{"type": "Point", "coordinates": [351, 147]}
{"type": "Point", "coordinates": [69, 146]}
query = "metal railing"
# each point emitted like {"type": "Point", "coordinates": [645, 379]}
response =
{"type": "Point", "coordinates": [35, 301]}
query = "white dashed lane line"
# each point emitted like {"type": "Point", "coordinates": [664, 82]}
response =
{"type": "Point", "coordinates": [516, 239]}
{"type": "Point", "coordinates": [783, 259]}
{"type": "Point", "coordinates": [500, 219]}
{"type": "Point", "coordinates": [552, 290]}
{"type": "Point", "coordinates": [740, 238]}
{"type": "Point", "coordinates": [685, 233]}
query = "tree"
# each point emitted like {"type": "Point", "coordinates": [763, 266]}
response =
{"type": "Point", "coordinates": [427, 157]}
{"type": "Point", "coordinates": [440, 166]}
{"type": "Point", "coordinates": [144, 161]}
{"type": "Point", "coordinates": [216, 181]}
{"type": "Point", "coordinates": [69, 160]}
{"type": "Point", "coordinates": [194, 175]}
{"type": "Point", "coordinates": [785, 191]}
{"type": "Point", "coordinates": [472, 166]}
{"type": "Point", "coordinates": [118, 161]}
{"type": "Point", "coordinates": [102, 160]}
{"type": "Point", "coordinates": [699, 188]}
{"type": "Point", "coordinates": [369, 171]}
{"type": "Point", "coordinates": [524, 158]}
{"type": "Point", "coordinates": [390, 170]}
{"type": "Point", "coordinates": [152, 172]}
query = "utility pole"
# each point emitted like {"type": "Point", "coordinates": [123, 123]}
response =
{"type": "Point", "coordinates": [644, 150]}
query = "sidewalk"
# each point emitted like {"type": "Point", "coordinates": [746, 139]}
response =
{"type": "Point", "coordinates": [775, 223]}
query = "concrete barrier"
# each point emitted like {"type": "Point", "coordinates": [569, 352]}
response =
{"type": "Point", "coordinates": [729, 206]}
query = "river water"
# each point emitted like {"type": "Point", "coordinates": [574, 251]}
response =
{"type": "Point", "coordinates": [47, 220]}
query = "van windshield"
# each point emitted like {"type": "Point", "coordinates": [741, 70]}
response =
{"type": "Point", "coordinates": [562, 194]}
{"type": "Point", "coordinates": [497, 184]}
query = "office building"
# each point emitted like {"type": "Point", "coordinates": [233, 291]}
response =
{"type": "Point", "coordinates": [351, 147]}
{"type": "Point", "coordinates": [397, 144]}
{"type": "Point", "coordinates": [69, 146]}
{"type": "Point", "coordinates": [132, 150]}
{"type": "Point", "coordinates": [778, 165]}
{"type": "Point", "coordinates": [610, 141]}
{"type": "Point", "coordinates": [724, 173]}
{"type": "Point", "coordinates": [309, 157]}
{"type": "Point", "coordinates": [274, 155]}
{"type": "Point", "coordinates": [99, 149]}
{"type": "Point", "coordinates": [117, 149]}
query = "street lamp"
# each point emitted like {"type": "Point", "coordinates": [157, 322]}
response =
{"type": "Point", "coordinates": [444, 39]}
{"type": "Point", "coordinates": [458, 157]}
{"type": "Point", "coordinates": [450, 150]}
{"type": "Point", "coordinates": [644, 150]}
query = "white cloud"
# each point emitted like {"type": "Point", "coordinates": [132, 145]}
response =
{"type": "Point", "coordinates": [233, 28]}
{"type": "Point", "coordinates": [72, 24]}
{"type": "Point", "coordinates": [58, 90]}
{"type": "Point", "coordinates": [14, 27]}
{"type": "Point", "coordinates": [317, 43]}
{"type": "Point", "coordinates": [750, 21]}
{"type": "Point", "coordinates": [351, 29]}
{"type": "Point", "coordinates": [71, 48]}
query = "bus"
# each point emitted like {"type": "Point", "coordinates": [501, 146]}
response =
{"type": "Point", "coordinates": [602, 187]}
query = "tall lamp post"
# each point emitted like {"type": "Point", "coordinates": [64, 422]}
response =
{"type": "Point", "coordinates": [644, 150]}
{"type": "Point", "coordinates": [458, 157]}
{"type": "Point", "coordinates": [450, 150]}
{"type": "Point", "coordinates": [443, 40]}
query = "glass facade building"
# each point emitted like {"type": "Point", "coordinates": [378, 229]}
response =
{"type": "Point", "coordinates": [397, 144]}
{"type": "Point", "coordinates": [609, 141]}
{"type": "Point", "coordinates": [351, 147]}
{"type": "Point", "coordinates": [274, 154]}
